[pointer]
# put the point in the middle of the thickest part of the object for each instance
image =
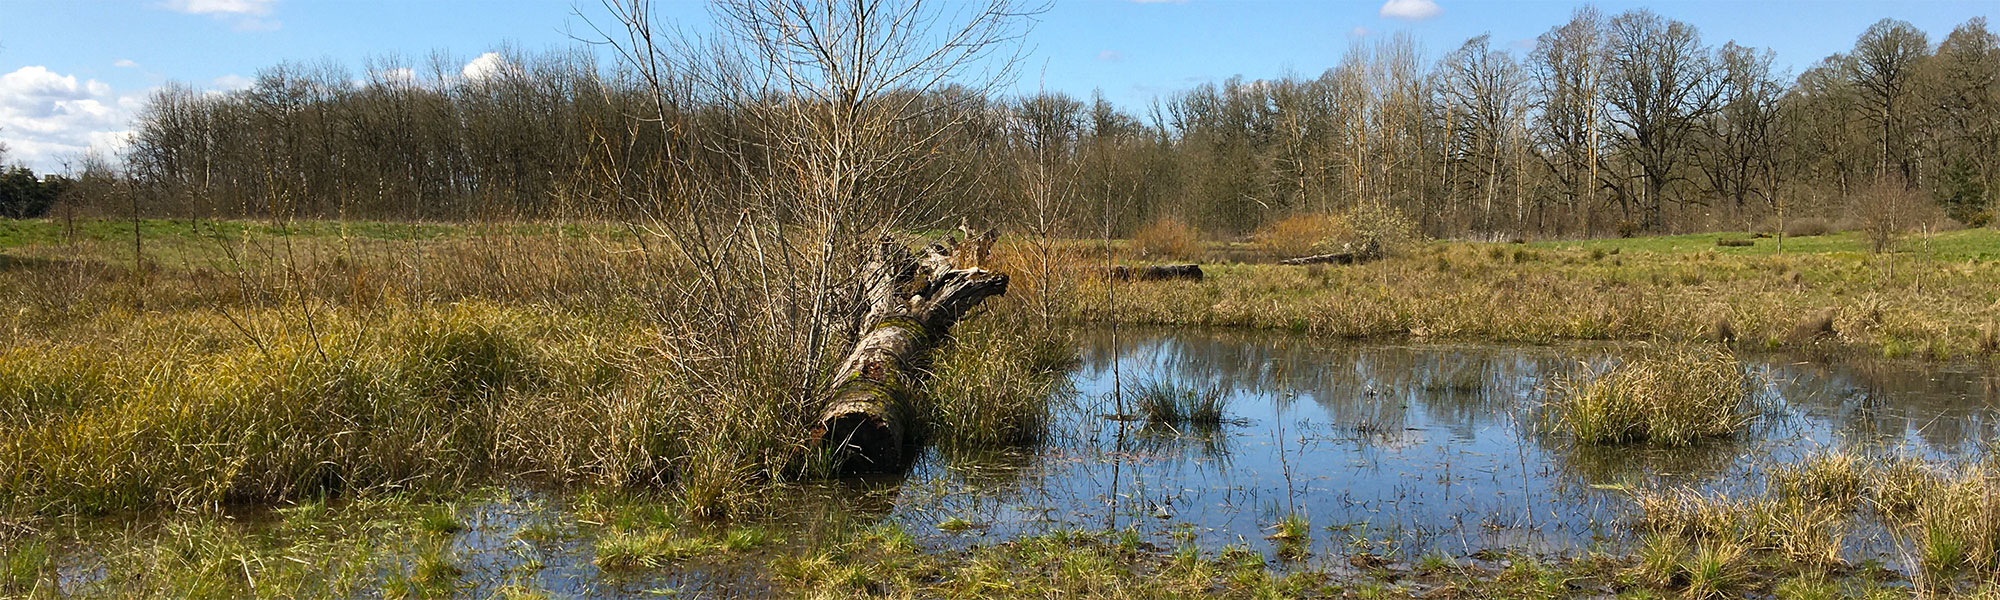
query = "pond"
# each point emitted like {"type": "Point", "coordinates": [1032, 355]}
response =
{"type": "Point", "coordinates": [1408, 449]}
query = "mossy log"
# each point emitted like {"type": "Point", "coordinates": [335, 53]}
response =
{"type": "Point", "coordinates": [1153, 272]}
{"type": "Point", "coordinates": [912, 304]}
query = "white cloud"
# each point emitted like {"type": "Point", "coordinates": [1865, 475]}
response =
{"type": "Point", "coordinates": [1110, 56]}
{"type": "Point", "coordinates": [221, 7]}
{"type": "Point", "coordinates": [488, 65]}
{"type": "Point", "coordinates": [1359, 32]}
{"type": "Point", "coordinates": [47, 117]}
{"type": "Point", "coordinates": [246, 15]}
{"type": "Point", "coordinates": [1410, 10]}
{"type": "Point", "coordinates": [125, 63]}
{"type": "Point", "coordinates": [232, 82]}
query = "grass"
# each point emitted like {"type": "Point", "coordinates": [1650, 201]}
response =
{"type": "Point", "coordinates": [1670, 396]}
{"type": "Point", "coordinates": [1836, 478]}
{"type": "Point", "coordinates": [1927, 301]}
{"type": "Point", "coordinates": [366, 374]}
{"type": "Point", "coordinates": [1171, 403]}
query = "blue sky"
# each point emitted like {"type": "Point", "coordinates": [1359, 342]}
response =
{"type": "Point", "coordinates": [73, 72]}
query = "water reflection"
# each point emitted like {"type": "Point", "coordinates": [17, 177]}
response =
{"type": "Point", "coordinates": [1407, 447]}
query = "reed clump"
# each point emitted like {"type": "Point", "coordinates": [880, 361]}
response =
{"type": "Point", "coordinates": [994, 385]}
{"type": "Point", "coordinates": [1836, 478]}
{"type": "Point", "coordinates": [1672, 396]}
{"type": "Point", "coordinates": [1170, 402]}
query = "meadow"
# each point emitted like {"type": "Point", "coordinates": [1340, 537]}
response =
{"type": "Point", "coordinates": [227, 409]}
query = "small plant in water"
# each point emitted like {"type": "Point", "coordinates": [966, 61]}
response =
{"type": "Point", "coordinates": [1168, 402]}
{"type": "Point", "coordinates": [1293, 535]}
{"type": "Point", "coordinates": [955, 525]}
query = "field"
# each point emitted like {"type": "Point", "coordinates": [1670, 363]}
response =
{"type": "Point", "coordinates": [311, 409]}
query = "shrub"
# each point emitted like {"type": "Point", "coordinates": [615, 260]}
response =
{"type": "Point", "coordinates": [1887, 209]}
{"type": "Point", "coordinates": [1305, 234]}
{"type": "Point", "coordinates": [1384, 227]}
{"type": "Point", "coordinates": [1628, 228]}
{"type": "Point", "coordinates": [1168, 237]}
{"type": "Point", "coordinates": [1672, 397]}
{"type": "Point", "coordinates": [1808, 227]}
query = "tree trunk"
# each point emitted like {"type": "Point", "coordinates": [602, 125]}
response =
{"type": "Point", "coordinates": [912, 305]}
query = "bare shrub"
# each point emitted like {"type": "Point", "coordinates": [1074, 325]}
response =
{"type": "Point", "coordinates": [1887, 209]}
{"type": "Point", "coordinates": [1808, 227]}
{"type": "Point", "coordinates": [1168, 237]}
{"type": "Point", "coordinates": [1387, 229]}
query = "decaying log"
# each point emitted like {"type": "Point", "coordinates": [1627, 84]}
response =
{"type": "Point", "coordinates": [912, 304]}
{"type": "Point", "coordinates": [1153, 272]}
{"type": "Point", "coordinates": [1350, 256]}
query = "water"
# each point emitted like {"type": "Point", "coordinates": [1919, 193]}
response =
{"type": "Point", "coordinates": [1406, 449]}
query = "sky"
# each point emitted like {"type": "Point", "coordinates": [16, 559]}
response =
{"type": "Point", "coordinates": [73, 73]}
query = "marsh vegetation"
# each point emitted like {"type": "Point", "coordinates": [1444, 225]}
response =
{"type": "Point", "coordinates": [604, 369]}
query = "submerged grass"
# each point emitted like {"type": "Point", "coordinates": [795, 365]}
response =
{"type": "Point", "coordinates": [1671, 396]}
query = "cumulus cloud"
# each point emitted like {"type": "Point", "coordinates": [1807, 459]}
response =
{"type": "Point", "coordinates": [487, 66]}
{"type": "Point", "coordinates": [1359, 32]}
{"type": "Point", "coordinates": [1110, 56]}
{"type": "Point", "coordinates": [221, 7]}
{"type": "Point", "coordinates": [47, 117]}
{"type": "Point", "coordinates": [1410, 10]}
{"type": "Point", "coordinates": [125, 63]}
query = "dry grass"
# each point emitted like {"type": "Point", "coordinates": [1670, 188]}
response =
{"type": "Point", "coordinates": [1304, 234]}
{"type": "Point", "coordinates": [1168, 238]}
{"type": "Point", "coordinates": [238, 364]}
{"type": "Point", "coordinates": [1671, 396]}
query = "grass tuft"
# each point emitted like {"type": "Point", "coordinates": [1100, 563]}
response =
{"type": "Point", "coordinates": [1672, 396]}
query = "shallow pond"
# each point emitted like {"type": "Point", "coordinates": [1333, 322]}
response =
{"type": "Point", "coordinates": [1407, 449]}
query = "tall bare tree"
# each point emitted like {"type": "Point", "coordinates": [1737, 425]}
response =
{"type": "Point", "coordinates": [1885, 65]}
{"type": "Point", "coordinates": [1662, 83]}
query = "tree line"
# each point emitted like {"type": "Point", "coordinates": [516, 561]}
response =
{"type": "Point", "coordinates": [1609, 124]}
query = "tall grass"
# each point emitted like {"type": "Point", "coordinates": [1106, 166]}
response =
{"type": "Point", "coordinates": [1671, 396]}
{"type": "Point", "coordinates": [995, 384]}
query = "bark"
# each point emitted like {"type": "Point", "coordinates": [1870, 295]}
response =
{"type": "Point", "coordinates": [912, 304]}
{"type": "Point", "coordinates": [1153, 273]}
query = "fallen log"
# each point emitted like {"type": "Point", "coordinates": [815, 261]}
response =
{"type": "Point", "coordinates": [1350, 256]}
{"type": "Point", "coordinates": [912, 305]}
{"type": "Point", "coordinates": [1153, 272]}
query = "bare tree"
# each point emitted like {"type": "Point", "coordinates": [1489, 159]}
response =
{"type": "Point", "coordinates": [1568, 64]}
{"type": "Point", "coordinates": [1885, 61]}
{"type": "Point", "coordinates": [1662, 84]}
{"type": "Point", "coordinates": [1740, 155]}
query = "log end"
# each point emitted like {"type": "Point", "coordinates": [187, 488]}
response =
{"type": "Point", "coordinates": [862, 430]}
{"type": "Point", "coordinates": [863, 443]}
